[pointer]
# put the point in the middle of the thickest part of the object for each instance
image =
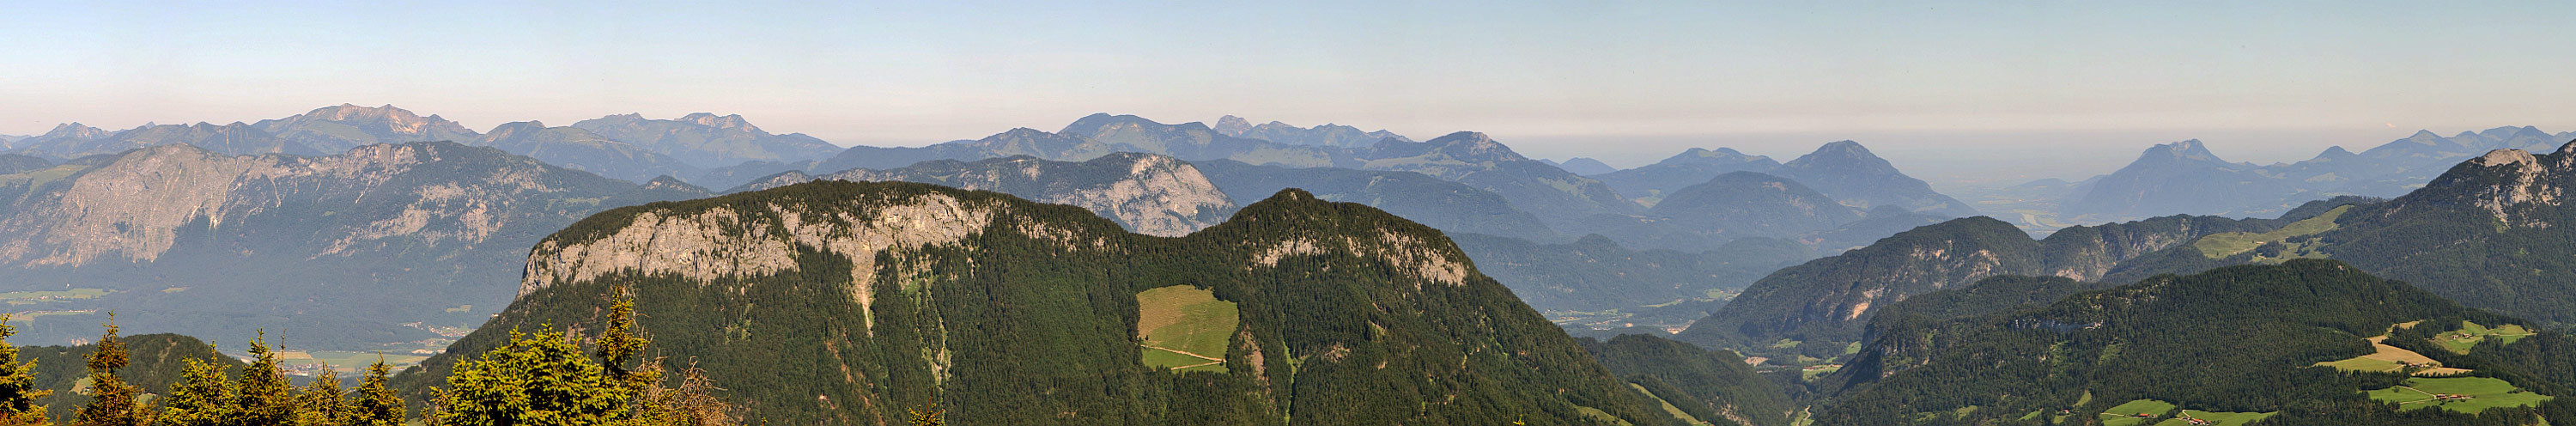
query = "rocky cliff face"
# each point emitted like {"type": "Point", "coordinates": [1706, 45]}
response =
{"type": "Point", "coordinates": [1149, 194]}
{"type": "Point", "coordinates": [892, 292]}
{"type": "Point", "coordinates": [186, 234]}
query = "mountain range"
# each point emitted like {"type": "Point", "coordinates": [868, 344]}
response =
{"type": "Point", "coordinates": [340, 249]}
{"type": "Point", "coordinates": [2185, 178]}
{"type": "Point", "coordinates": [1327, 134]}
{"type": "Point", "coordinates": [1818, 308]}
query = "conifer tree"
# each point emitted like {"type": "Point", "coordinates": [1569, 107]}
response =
{"type": "Point", "coordinates": [619, 345]}
{"type": "Point", "coordinates": [540, 378]}
{"type": "Point", "coordinates": [264, 397]}
{"type": "Point", "coordinates": [112, 402]}
{"type": "Point", "coordinates": [929, 414]}
{"type": "Point", "coordinates": [322, 403]}
{"type": "Point", "coordinates": [18, 391]}
{"type": "Point", "coordinates": [203, 397]}
{"type": "Point", "coordinates": [375, 404]}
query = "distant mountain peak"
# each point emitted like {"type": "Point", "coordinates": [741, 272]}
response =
{"type": "Point", "coordinates": [1091, 125]}
{"type": "Point", "coordinates": [1843, 145]}
{"type": "Point", "coordinates": [1585, 166]}
{"type": "Point", "coordinates": [2187, 149]}
{"type": "Point", "coordinates": [2334, 152]}
{"type": "Point", "coordinates": [1843, 154]}
{"type": "Point", "coordinates": [729, 121]}
{"type": "Point", "coordinates": [1020, 132]}
{"type": "Point", "coordinates": [1704, 155]}
{"type": "Point", "coordinates": [74, 130]}
{"type": "Point", "coordinates": [1232, 125]}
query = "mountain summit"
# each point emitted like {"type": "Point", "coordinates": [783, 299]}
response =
{"type": "Point", "coordinates": [706, 140]}
{"type": "Point", "coordinates": [1850, 173]}
{"type": "Point", "coordinates": [339, 128]}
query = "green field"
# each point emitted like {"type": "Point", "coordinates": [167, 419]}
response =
{"type": "Point", "coordinates": [34, 297]}
{"type": "Point", "coordinates": [1668, 405]}
{"type": "Point", "coordinates": [2390, 359]}
{"type": "Point", "coordinates": [1180, 321]}
{"type": "Point", "coordinates": [347, 362]}
{"type": "Point", "coordinates": [2470, 334]}
{"type": "Point", "coordinates": [32, 315]}
{"type": "Point", "coordinates": [2222, 245]}
{"type": "Point", "coordinates": [2482, 393]}
{"type": "Point", "coordinates": [2222, 419]}
{"type": "Point", "coordinates": [2122, 415]}
{"type": "Point", "coordinates": [1810, 372]}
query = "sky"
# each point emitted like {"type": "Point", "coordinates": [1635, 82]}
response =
{"type": "Point", "coordinates": [1946, 90]}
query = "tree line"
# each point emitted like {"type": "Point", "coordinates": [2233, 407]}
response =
{"type": "Point", "coordinates": [546, 377]}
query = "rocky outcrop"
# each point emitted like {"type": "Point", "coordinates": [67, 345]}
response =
{"type": "Point", "coordinates": [1149, 194]}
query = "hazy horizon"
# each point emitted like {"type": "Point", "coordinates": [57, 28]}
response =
{"type": "Point", "coordinates": [1942, 89]}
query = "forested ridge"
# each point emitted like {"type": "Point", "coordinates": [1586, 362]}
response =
{"type": "Point", "coordinates": [2243, 339]}
{"type": "Point", "coordinates": [1349, 316]}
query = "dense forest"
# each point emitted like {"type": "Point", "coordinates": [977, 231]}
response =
{"type": "Point", "coordinates": [2237, 340]}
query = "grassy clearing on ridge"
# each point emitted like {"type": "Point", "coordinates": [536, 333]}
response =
{"type": "Point", "coordinates": [2125, 414]}
{"type": "Point", "coordinates": [2222, 245]}
{"type": "Point", "coordinates": [2466, 394]}
{"type": "Point", "coordinates": [1179, 321]}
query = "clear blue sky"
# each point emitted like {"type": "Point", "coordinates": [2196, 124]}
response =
{"type": "Point", "coordinates": [1922, 82]}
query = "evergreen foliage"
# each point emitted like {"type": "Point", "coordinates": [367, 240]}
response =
{"type": "Point", "coordinates": [1711, 385]}
{"type": "Point", "coordinates": [112, 401]}
{"type": "Point", "coordinates": [375, 404]}
{"type": "Point", "coordinates": [540, 378]}
{"type": "Point", "coordinates": [2239, 339]}
{"type": "Point", "coordinates": [323, 403]}
{"type": "Point", "coordinates": [1826, 304]}
{"type": "Point", "coordinates": [18, 391]}
{"type": "Point", "coordinates": [264, 396]}
{"type": "Point", "coordinates": [205, 397]}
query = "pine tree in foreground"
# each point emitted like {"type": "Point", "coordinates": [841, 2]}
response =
{"type": "Point", "coordinates": [112, 402]}
{"type": "Point", "coordinates": [203, 397]}
{"type": "Point", "coordinates": [375, 403]}
{"type": "Point", "coordinates": [266, 397]}
{"type": "Point", "coordinates": [322, 402]}
{"type": "Point", "coordinates": [540, 378]}
{"type": "Point", "coordinates": [18, 391]}
{"type": "Point", "coordinates": [544, 378]}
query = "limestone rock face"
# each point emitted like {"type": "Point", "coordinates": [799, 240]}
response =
{"type": "Point", "coordinates": [1149, 194]}
{"type": "Point", "coordinates": [191, 240]}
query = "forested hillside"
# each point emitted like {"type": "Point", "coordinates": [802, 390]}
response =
{"type": "Point", "coordinates": [2245, 342]}
{"type": "Point", "coordinates": [845, 303]}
